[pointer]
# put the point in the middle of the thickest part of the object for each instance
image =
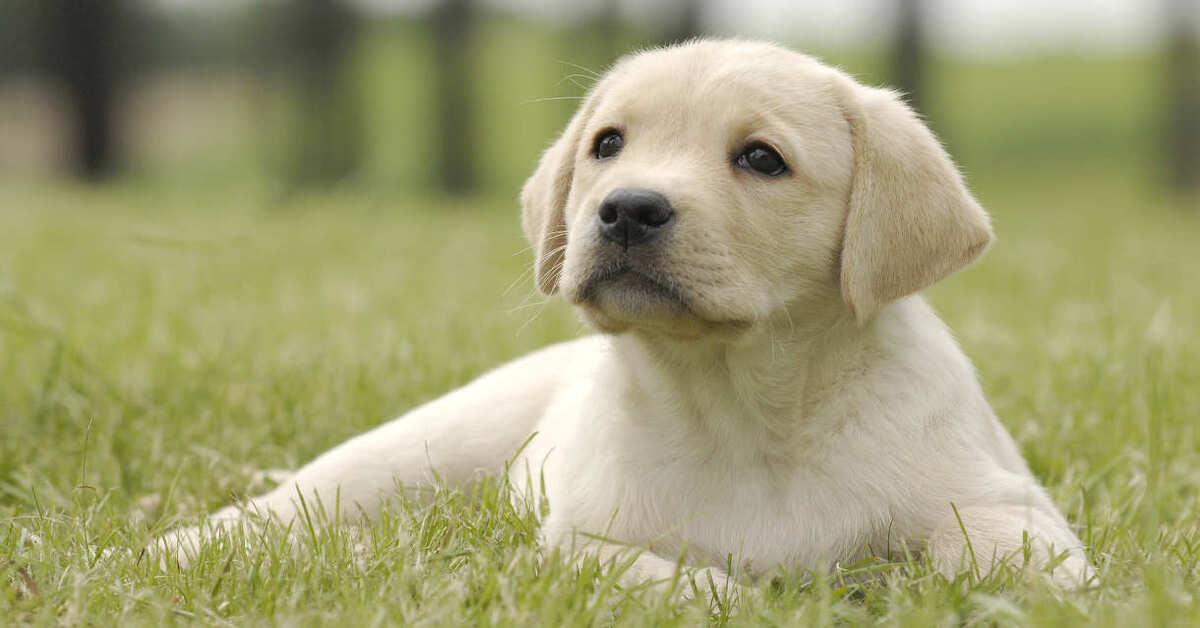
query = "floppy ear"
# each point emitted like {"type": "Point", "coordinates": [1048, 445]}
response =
{"type": "Point", "coordinates": [911, 220]}
{"type": "Point", "coordinates": [544, 201]}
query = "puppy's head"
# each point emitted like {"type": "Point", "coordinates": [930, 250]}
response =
{"type": "Point", "coordinates": [702, 188]}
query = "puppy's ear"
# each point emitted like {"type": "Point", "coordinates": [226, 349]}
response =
{"type": "Point", "coordinates": [544, 200]}
{"type": "Point", "coordinates": [911, 220]}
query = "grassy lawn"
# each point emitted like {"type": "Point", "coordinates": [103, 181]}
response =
{"type": "Point", "coordinates": [160, 348]}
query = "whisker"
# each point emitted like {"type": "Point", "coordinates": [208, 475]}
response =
{"type": "Point", "coordinates": [588, 71]}
{"type": "Point", "coordinates": [520, 279]}
{"type": "Point", "coordinates": [536, 314]}
{"type": "Point", "coordinates": [574, 79]}
{"type": "Point", "coordinates": [549, 98]}
{"type": "Point", "coordinates": [551, 253]}
{"type": "Point", "coordinates": [525, 306]}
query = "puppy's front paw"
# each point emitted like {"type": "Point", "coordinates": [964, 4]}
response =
{"type": "Point", "coordinates": [981, 539]}
{"type": "Point", "coordinates": [178, 546]}
{"type": "Point", "coordinates": [713, 586]}
{"type": "Point", "coordinates": [183, 545]}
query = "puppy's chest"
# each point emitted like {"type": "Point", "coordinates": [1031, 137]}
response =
{"type": "Point", "coordinates": [637, 486]}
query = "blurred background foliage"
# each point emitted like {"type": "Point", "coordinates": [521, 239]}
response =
{"type": "Point", "coordinates": [459, 96]}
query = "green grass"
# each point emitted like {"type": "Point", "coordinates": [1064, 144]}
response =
{"type": "Point", "coordinates": [160, 347]}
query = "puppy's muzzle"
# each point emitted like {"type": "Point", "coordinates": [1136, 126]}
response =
{"type": "Point", "coordinates": [632, 217]}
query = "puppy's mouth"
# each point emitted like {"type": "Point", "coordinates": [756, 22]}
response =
{"type": "Point", "coordinates": [630, 297]}
{"type": "Point", "coordinates": [629, 290]}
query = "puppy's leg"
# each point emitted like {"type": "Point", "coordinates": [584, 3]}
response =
{"type": "Point", "coordinates": [642, 567]}
{"type": "Point", "coordinates": [995, 535]}
{"type": "Point", "coordinates": [474, 429]}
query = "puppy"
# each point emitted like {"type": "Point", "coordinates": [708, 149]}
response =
{"type": "Point", "coordinates": [746, 227]}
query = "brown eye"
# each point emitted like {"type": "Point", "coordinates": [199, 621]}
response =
{"type": "Point", "coordinates": [608, 144]}
{"type": "Point", "coordinates": [762, 159]}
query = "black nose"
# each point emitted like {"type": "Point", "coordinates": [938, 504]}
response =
{"type": "Point", "coordinates": [630, 216]}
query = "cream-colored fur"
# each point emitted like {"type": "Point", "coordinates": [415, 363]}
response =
{"type": "Point", "coordinates": [767, 390]}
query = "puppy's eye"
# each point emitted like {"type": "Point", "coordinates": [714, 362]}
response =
{"type": "Point", "coordinates": [608, 144]}
{"type": "Point", "coordinates": [762, 159]}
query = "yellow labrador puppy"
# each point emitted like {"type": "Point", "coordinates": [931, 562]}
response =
{"type": "Point", "coordinates": [746, 227]}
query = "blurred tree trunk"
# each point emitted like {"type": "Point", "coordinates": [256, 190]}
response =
{"type": "Point", "coordinates": [687, 23]}
{"type": "Point", "coordinates": [81, 39]}
{"type": "Point", "coordinates": [1183, 85]}
{"type": "Point", "coordinates": [327, 135]}
{"type": "Point", "coordinates": [453, 23]}
{"type": "Point", "coordinates": [19, 38]}
{"type": "Point", "coordinates": [908, 53]}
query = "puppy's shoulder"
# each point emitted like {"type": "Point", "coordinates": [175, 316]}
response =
{"type": "Point", "coordinates": [934, 386]}
{"type": "Point", "coordinates": [909, 335]}
{"type": "Point", "coordinates": [908, 367]}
